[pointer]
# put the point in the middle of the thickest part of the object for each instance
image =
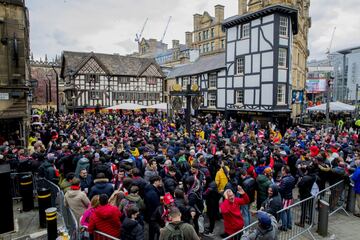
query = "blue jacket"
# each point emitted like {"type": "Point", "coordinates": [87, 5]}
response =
{"type": "Point", "coordinates": [286, 187]}
{"type": "Point", "coordinates": [356, 178]}
{"type": "Point", "coordinates": [101, 186]}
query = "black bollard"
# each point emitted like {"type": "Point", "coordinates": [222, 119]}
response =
{"type": "Point", "coordinates": [26, 192]}
{"type": "Point", "coordinates": [350, 204]}
{"type": "Point", "coordinates": [6, 209]}
{"type": "Point", "coordinates": [51, 220]}
{"type": "Point", "coordinates": [44, 199]}
{"type": "Point", "coordinates": [323, 218]}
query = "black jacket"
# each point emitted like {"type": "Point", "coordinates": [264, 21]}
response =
{"type": "Point", "coordinates": [101, 186]}
{"type": "Point", "coordinates": [273, 204]}
{"type": "Point", "coordinates": [86, 182]}
{"type": "Point", "coordinates": [305, 186]}
{"type": "Point", "coordinates": [170, 184]}
{"type": "Point", "coordinates": [249, 186]}
{"type": "Point", "coordinates": [152, 200]}
{"type": "Point", "coordinates": [286, 187]}
{"type": "Point", "coordinates": [131, 230]}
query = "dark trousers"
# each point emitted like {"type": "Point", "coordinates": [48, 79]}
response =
{"type": "Point", "coordinates": [154, 231]}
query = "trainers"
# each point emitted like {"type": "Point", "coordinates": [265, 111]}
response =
{"type": "Point", "coordinates": [209, 234]}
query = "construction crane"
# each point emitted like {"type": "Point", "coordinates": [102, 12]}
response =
{"type": "Point", "coordinates": [331, 41]}
{"type": "Point", "coordinates": [167, 25]}
{"type": "Point", "coordinates": [139, 35]}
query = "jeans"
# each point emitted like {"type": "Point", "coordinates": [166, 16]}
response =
{"type": "Point", "coordinates": [246, 214]}
{"type": "Point", "coordinates": [286, 219]}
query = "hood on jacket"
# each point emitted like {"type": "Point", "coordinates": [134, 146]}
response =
{"type": "Point", "coordinates": [104, 212]}
{"type": "Point", "coordinates": [73, 193]}
{"type": "Point", "coordinates": [133, 197]}
{"type": "Point", "coordinates": [101, 182]}
{"type": "Point", "coordinates": [83, 160]}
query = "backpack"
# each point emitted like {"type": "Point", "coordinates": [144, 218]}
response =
{"type": "Point", "coordinates": [175, 232]}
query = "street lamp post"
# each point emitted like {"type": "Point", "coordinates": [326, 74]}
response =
{"type": "Point", "coordinates": [57, 89]}
{"type": "Point", "coordinates": [73, 103]}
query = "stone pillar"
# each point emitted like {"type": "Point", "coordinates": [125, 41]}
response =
{"type": "Point", "coordinates": [242, 7]}
{"type": "Point", "coordinates": [188, 39]}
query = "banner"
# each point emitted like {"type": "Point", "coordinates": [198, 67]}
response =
{"type": "Point", "coordinates": [297, 97]}
{"type": "Point", "coordinates": [316, 85]}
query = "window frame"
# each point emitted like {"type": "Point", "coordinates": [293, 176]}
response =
{"type": "Point", "coordinates": [282, 94]}
{"type": "Point", "coordinates": [245, 28]}
{"type": "Point", "coordinates": [212, 80]}
{"type": "Point", "coordinates": [282, 63]}
{"type": "Point", "coordinates": [284, 26]}
{"type": "Point", "coordinates": [95, 95]}
{"type": "Point", "coordinates": [237, 95]}
{"type": "Point", "coordinates": [212, 101]}
{"type": "Point", "coordinates": [212, 32]}
{"type": "Point", "coordinates": [237, 67]}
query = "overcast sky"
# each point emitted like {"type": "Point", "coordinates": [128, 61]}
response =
{"type": "Point", "coordinates": [110, 26]}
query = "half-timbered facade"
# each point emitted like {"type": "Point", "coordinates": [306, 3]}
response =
{"type": "Point", "coordinates": [95, 80]}
{"type": "Point", "coordinates": [258, 60]}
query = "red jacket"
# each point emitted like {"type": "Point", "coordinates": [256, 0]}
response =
{"type": "Point", "coordinates": [106, 219]}
{"type": "Point", "coordinates": [233, 220]}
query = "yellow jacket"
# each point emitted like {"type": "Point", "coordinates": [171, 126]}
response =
{"type": "Point", "coordinates": [220, 179]}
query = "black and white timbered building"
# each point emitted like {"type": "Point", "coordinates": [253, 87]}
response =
{"type": "Point", "coordinates": [258, 61]}
{"type": "Point", "coordinates": [96, 80]}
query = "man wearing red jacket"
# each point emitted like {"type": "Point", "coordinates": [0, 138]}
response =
{"type": "Point", "coordinates": [230, 209]}
{"type": "Point", "coordinates": [106, 218]}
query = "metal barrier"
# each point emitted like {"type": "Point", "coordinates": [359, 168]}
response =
{"type": "Point", "coordinates": [246, 230]}
{"type": "Point", "coordinates": [97, 235]}
{"type": "Point", "coordinates": [71, 224]}
{"type": "Point", "coordinates": [297, 219]}
{"type": "Point", "coordinates": [335, 195]}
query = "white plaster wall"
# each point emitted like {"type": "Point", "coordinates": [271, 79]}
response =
{"type": "Point", "coordinates": [230, 68]}
{"type": "Point", "coordinates": [242, 46]}
{"type": "Point", "coordinates": [283, 41]}
{"type": "Point", "coordinates": [221, 82]}
{"type": "Point", "coordinates": [221, 98]}
{"type": "Point", "coordinates": [249, 96]}
{"type": "Point", "coordinates": [267, 59]}
{"type": "Point", "coordinates": [268, 31]}
{"type": "Point", "coordinates": [230, 52]}
{"type": "Point", "coordinates": [238, 82]}
{"type": "Point", "coordinates": [254, 39]}
{"type": "Point", "coordinates": [256, 63]}
{"type": "Point", "coordinates": [266, 94]}
{"type": "Point", "coordinates": [267, 75]}
{"type": "Point", "coordinates": [222, 73]}
{"type": "Point", "coordinates": [269, 18]}
{"type": "Point", "coordinates": [257, 96]}
{"type": "Point", "coordinates": [229, 82]}
{"type": "Point", "coordinates": [255, 22]}
{"type": "Point", "coordinates": [248, 64]}
{"type": "Point", "coordinates": [231, 34]}
{"type": "Point", "coordinates": [205, 99]}
{"type": "Point", "coordinates": [282, 75]}
{"type": "Point", "coordinates": [252, 80]}
{"type": "Point", "coordinates": [230, 97]}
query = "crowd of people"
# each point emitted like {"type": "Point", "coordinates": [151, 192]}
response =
{"type": "Point", "coordinates": [124, 173]}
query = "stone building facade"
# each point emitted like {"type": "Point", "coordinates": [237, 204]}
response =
{"type": "Point", "coordinates": [15, 94]}
{"type": "Point", "coordinates": [300, 50]}
{"type": "Point", "coordinates": [207, 35]}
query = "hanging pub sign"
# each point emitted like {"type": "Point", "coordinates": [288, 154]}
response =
{"type": "Point", "coordinates": [297, 96]}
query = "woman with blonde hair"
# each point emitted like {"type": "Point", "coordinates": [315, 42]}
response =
{"type": "Point", "coordinates": [85, 218]}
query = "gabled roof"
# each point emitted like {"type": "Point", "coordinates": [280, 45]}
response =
{"type": "Point", "coordinates": [202, 65]}
{"type": "Point", "coordinates": [112, 64]}
{"type": "Point", "coordinates": [239, 19]}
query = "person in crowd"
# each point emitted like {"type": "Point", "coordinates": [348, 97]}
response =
{"type": "Point", "coordinates": [230, 210]}
{"type": "Point", "coordinates": [263, 182]}
{"type": "Point", "coordinates": [212, 197]}
{"type": "Point", "coordinates": [170, 181]}
{"type": "Point", "coordinates": [131, 229]}
{"type": "Point", "coordinates": [132, 198]}
{"type": "Point", "coordinates": [266, 228]}
{"type": "Point", "coordinates": [249, 185]}
{"type": "Point", "coordinates": [48, 169]}
{"type": "Point", "coordinates": [356, 178]}
{"type": "Point", "coordinates": [286, 186]}
{"type": "Point", "coordinates": [76, 200]}
{"type": "Point", "coordinates": [160, 217]}
{"type": "Point", "coordinates": [222, 176]}
{"type": "Point", "coordinates": [101, 185]}
{"type": "Point", "coordinates": [273, 203]}
{"type": "Point", "coordinates": [105, 218]}
{"type": "Point", "coordinates": [177, 229]}
{"type": "Point", "coordinates": [152, 202]}
{"type": "Point", "coordinates": [151, 170]}
{"type": "Point", "coordinates": [85, 218]}
{"type": "Point", "coordinates": [65, 184]}
{"type": "Point", "coordinates": [86, 181]}
{"type": "Point", "coordinates": [194, 196]}
{"type": "Point", "coordinates": [182, 204]}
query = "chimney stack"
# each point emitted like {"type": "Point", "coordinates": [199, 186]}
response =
{"type": "Point", "coordinates": [242, 7]}
{"type": "Point", "coordinates": [175, 43]}
{"type": "Point", "coordinates": [188, 39]}
{"type": "Point", "coordinates": [197, 18]}
{"type": "Point", "coordinates": [219, 13]}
